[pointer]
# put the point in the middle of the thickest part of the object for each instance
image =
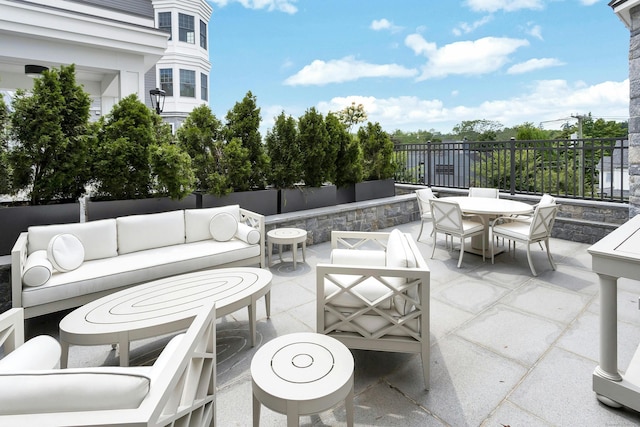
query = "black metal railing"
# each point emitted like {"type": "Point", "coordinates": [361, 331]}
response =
{"type": "Point", "coordinates": [592, 169]}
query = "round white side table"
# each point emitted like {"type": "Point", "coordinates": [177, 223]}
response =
{"type": "Point", "coordinates": [287, 236]}
{"type": "Point", "coordinates": [302, 374]}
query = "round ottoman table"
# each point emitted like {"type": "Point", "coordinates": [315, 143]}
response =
{"type": "Point", "coordinates": [302, 374]}
{"type": "Point", "coordinates": [287, 236]}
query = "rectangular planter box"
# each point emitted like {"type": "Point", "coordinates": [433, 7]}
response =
{"type": "Point", "coordinates": [264, 202]}
{"type": "Point", "coordinates": [116, 208]}
{"type": "Point", "coordinates": [378, 189]}
{"type": "Point", "coordinates": [16, 219]}
{"type": "Point", "coordinates": [346, 194]}
{"type": "Point", "coordinates": [302, 198]}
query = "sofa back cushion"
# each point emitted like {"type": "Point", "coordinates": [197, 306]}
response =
{"type": "Point", "coordinates": [197, 221]}
{"type": "Point", "coordinates": [99, 238]}
{"type": "Point", "coordinates": [70, 390]}
{"type": "Point", "coordinates": [141, 232]}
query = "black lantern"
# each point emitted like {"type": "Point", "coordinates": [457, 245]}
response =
{"type": "Point", "coordinates": [157, 99]}
{"type": "Point", "coordinates": [34, 70]}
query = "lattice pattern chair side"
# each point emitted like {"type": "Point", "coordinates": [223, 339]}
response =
{"type": "Point", "coordinates": [256, 221]}
{"type": "Point", "coordinates": [11, 330]}
{"type": "Point", "coordinates": [395, 318]}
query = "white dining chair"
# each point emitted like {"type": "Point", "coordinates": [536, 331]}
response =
{"type": "Point", "coordinates": [424, 195]}
{"type": "Point", "coordinates": [447, 219]}
{"type": "Point", "coordinates": [528, 231]}
{"type": "Point", "coordinates": [489, 193]}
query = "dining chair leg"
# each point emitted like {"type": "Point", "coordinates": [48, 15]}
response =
{"type": "Point", "coordinates": [533, 270]}
{"type": "Point", "coordinates": [553, 264]}
{"type": "Point", "coordinates": [435, 237]}
{"type": "Point", "coordinates": [492, 250]}
{"type": "Point", "coordinates": [461, 250]}
{"type": "Point", "coordinates": [483, 245]}
{"type": "Point", "coordinates": [421, 227]}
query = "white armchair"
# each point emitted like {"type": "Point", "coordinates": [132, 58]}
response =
{"type": "Point", "coordinates": [374, 295]}
{"type": "Point", "coordinates": [179, 389]}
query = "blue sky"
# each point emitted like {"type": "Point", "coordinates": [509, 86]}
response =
{"type": "Point", "coordinates": [421, 64]}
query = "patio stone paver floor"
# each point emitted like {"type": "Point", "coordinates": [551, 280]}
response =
{"type": "Point", "coordinates": [507, 348]}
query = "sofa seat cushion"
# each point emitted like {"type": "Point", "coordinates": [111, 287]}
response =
{"type": "Point", "coordinates": [71, 390]}
{"type": "Point", "coordinates": [138, 267]}
{"type": "Point", "coordinates": [371, 323]}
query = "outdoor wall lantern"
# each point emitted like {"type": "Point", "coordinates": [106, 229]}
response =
{"type": "Point", "coordinates": [157, 99]}
{"type": "Point", "coordinates": [34, 70]}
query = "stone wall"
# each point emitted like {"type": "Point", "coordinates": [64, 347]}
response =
{"type": "Point", "coordinates": [634, 114]}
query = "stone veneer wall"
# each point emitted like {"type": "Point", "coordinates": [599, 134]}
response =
{"type": "Point", "coordinates": [634, 114]}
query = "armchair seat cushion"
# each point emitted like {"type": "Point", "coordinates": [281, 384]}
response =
{"type": "Point", "coordinates": [372, 323]}
{"type": "Point", "coordinates": [71, 390]}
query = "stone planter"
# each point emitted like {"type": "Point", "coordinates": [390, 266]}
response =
{"type": "Point", "coordinates": [16, 219]}
{"type": "Point", "coordinates": [114, 208]}
{"type": "Point", "coordinates": [301, 198]}
{"type": "Point", "coordinates": [264, 202]}
{"type": "Point", "coordinates": [377, 189]}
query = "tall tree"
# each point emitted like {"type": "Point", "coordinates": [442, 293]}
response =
{"type": "Point", "coordinates": [377, 151]}
{"type": "Point", "coordinates": [347, 163]}
{"type": "Point", "coordinates": [121, 159]}
{"type": "Point", "coordinates": [284, 152]}
{"type": "Point", "coordinates": [243, 122]}
{"type": "Point", "coordinates": [49, 125]}
{"type": "Point", "coordinates": [314, 146]}
{"type": "Point", "coordinates": [201, 136]}
{"type": "Point", "coordinates": [351, 115]}
{"type": "Point", "coordinates": [477, 130]}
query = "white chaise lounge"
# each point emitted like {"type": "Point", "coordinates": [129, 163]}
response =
{"type": "Point", "coordinates": [179, 389]}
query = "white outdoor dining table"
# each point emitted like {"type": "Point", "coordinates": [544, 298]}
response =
{"type": "Point", "coordinates": [488, 209]}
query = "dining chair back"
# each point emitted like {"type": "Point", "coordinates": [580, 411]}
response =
{"type": "Point", "coordinates": [489, 193]}
{"type": "Point", "coordinates": [536, 229]}
{"type": "Point", "coordinates": [447, 219]}
{"type": "Point", "coordinates": [424, 195]}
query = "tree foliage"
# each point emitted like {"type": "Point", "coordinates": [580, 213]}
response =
{"type": "Point", "coordinates": [377, 152]}
{"type": "Point", "coordinates": [283, 149]}
{"type": "Point", "coordinates": [528, 132]}
{"type": "Point", "coordinates": [5, 174]}
{"type": "Point", "coordinates": [478, 130]}
{"type": "Point", "coordinates": [172, 168]}
{"type": "Point", "coordinates": [352, 115]}
{"type": "Point", "coordinates": [348, 158]}
{"type": "Point", "coordinates": [49, 126]}
{"type": "Point", "coordinates": [201, 137]}
{"type": "Point", "coordinates": [243, 122]}
{"type": "Point", "coordinates": [316, 148]}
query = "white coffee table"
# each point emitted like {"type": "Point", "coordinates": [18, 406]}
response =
{"type": "Point", "coordinates": [302, 374]}
{"type": "Point", "coordinates": [163, 306]}
{"type": "Point", "coordinates": [287, 236]}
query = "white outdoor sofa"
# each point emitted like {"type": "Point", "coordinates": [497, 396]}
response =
{"type": "Point", "coordinates": [178, 390]}
{"type": "Point", "coordinates": [374, 294]}
{"type": "Point", "coordinates": [62, 266]}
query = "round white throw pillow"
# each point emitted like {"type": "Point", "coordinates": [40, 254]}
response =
{"type": "Point", "coordinates": [223, 226]}
{"type": "Point", "coordinates": [65, 251]}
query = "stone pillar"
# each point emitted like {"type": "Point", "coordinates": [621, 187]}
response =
{"type": "Point", "coordinates": [634, 114]}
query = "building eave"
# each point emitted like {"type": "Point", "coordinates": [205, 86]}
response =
{"type": "Point", "coordinates": [622, 8]}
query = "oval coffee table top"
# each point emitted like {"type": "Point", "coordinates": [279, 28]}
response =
{"type": "Point", "coordinates": [166, 300]}
{"type": "Point", "coordinates": [302, 366]}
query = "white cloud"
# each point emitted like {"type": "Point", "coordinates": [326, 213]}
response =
{"type": "Point", "coordinates": [465, 27]}
{"type": "Point", "coordinates": [384, 24]}
{"type": "Point", "coordinates": [545, 100]}
{"type": "Point", "coordinates": [534, 64]}
{"type": "Point", "coordinates": [535, 31]}
{"type": "Point", "coordinates": [481, 56]}
{"type": "Point", "coordinates": [343, 70]}
{"type": "Point", "coordinates": [505, 5]}
{"type": "Point", "coordinates": [589, 2]}
{"type": "Point", "coordinates": [286, 6]}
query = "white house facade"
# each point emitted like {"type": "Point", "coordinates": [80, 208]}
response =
{"type": "Point", "coordinates": [119, 47]}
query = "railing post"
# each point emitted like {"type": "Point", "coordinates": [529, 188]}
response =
{"type": "Point", "coordinates": [428, 165]}
{"type": "Point", "coordinates": [512, 171]}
